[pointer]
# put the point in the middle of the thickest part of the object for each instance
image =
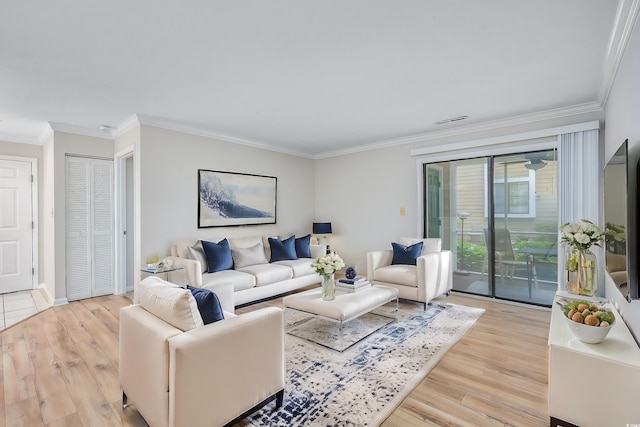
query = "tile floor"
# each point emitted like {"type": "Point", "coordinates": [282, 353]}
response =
{"type": "Point", "coordinates": [17, 306]}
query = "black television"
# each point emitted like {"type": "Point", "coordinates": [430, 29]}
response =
{"type": "Point", "coordinates": [620, 210]}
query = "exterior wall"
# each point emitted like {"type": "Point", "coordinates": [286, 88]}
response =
{"type": "Point", "coordinates": [472, 198]}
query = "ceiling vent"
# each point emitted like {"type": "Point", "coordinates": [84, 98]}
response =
{"type": "Point", "coordinates": [451, 119]}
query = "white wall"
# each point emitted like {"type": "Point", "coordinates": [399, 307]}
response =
{"type": "Point", "coordinates": [623, 122]}
{"type": "Point", "coordinates": [362, 193]}
{"type": "Point", "coordinates": [47, 220]}
{"type": "Point", "coordinates": [169, 163]}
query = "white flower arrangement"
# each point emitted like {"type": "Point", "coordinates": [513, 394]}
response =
{"type": "Point", "coordinates": [582, 234]}
{"type": "Point", "coordinates": [328, 264]}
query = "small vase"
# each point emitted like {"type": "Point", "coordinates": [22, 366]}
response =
{"type": "Point", "coordinates": [328, 288]}
{"type": "Point", "coordinates": [581, 272]}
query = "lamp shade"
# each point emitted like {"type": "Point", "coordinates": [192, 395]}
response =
{"type": "Point", "coordinates": [321, 228]}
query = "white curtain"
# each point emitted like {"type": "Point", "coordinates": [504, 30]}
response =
{"type": "Point", "coordinates": [580, 193]}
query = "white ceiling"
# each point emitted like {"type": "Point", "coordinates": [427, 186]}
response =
{"type": "Point", "coordinates": [308, 77]}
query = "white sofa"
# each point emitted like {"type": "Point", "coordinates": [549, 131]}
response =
{"type": "Point", "coordinates": [253, 282]}
{"type": "Point", "coordinates": [431, 277]}
{"type": "Point", "coordinates": [178, 372]}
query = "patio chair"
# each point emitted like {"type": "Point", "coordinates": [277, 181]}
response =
{"type": "Point", "coordinates": [505, 259]}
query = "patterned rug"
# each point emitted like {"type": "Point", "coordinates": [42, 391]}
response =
{"type": "Point", "coordinates": [365, 383]}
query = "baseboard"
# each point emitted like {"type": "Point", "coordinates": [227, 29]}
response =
{"type": "Point", "coordinates": [45, 292]}
{"type": "Point", "coordinates": [60, 301]}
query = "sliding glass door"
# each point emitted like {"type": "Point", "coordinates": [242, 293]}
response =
{"type": "Point", "coordinates": [499, 217]}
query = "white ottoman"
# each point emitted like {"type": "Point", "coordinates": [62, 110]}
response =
{"type": "Point", "coordinates": [344, 308]}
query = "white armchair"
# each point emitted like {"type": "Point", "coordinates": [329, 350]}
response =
{"type": "Point", "coordinates": [431, 277]}
{"type": "Point", "coordinates": [178, 372]}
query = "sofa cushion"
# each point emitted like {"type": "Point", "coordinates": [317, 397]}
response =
{"type": "Point", "coordinates": [208, 305]}
{"type": "Point", "coordinates": [244, 257]}
{"type": "Point", "coordinates": [196, 253]}
{"type": "Point", "coordinates": [300, 267]}
{"type": "Point", "coordinates": [171, 303]}
{"type": "Point", "coordinates": [267, 274]}
{"type": "Point", "coordinates": [429, 245]}
{"type": "Point", "coordinates": [283, 249]}
{"type": "Point", "coordinates": [240, 280]}
{"type": "Point", "coordinates": [402, 274]}
{"type": "Point", "coordinates": [218, 255]}
{"type": "Point", "coordinates": [303, 246]}
{"type": "Point", "coordinates": [406, 254]}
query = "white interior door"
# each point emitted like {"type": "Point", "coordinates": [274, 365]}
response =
{"type": "Point", "coordinates": [89, 224]}
{"type": "Point", "coordinates": [16, 226]}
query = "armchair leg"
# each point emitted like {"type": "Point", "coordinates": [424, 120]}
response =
{"type": "Point", "coordinates": [425, 306]}
{"type": "Point", "coordinates": [124, 401]}
{"type": "Point", "coordinates": [279, 399]}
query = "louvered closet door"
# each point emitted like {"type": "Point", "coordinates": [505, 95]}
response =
{"type": "Point", "coordinates": [89, 224]}
{"type": "Point", "coordinates": [102, 219]}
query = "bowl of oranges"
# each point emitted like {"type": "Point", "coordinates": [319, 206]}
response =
{"type": "Point", "coordinates": [589, 322]}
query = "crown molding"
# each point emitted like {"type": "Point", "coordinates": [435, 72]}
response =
{"type": "Point", "coordinates": [46, 134]}
{"type": "Point", "coordinates": [78, 130]}
{"type": "Point", "coordinates": [197, 131]}
{"type": "Point", "coordinates": [520, 120]}
{"type": "Point", "coordinates": [625, 20]}
{"type": "Point", "coordinates": [7, 137]}
{"type": "Point", "coordinates": [124, 127]}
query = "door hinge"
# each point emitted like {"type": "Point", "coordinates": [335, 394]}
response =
{"type": "Point", "coordinates": [33, 271]}
{"type": "Point", "coordinates": [31, 178]}
{"type": "Point", "coordinates": [33, 224]}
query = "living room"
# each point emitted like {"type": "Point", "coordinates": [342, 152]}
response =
{"type": "Point", "coordinates": [361, 189]}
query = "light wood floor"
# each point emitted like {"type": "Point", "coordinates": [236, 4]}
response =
{"type": "Point", "coordinates": [60, 368]}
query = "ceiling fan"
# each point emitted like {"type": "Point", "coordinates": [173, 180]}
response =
{"type": "Point", "coordinates": [536, 159]}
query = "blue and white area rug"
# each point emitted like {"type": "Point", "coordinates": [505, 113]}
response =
{"type": "Point", "coordinates": [364, 384]}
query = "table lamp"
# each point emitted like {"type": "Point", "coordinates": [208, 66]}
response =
{"type": "Point", "coordinates": [322, 228]}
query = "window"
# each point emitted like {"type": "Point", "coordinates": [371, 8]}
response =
{"type": "Point", "coordinates": [520, 195]}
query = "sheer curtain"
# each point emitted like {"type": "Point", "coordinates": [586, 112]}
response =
{"type": "Point", "coordinates": [580, 192]}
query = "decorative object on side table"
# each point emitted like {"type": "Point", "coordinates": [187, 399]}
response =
{"type": "Point", "coordinates": [326, 267]}
{"type": "Point", "coordinates": [580, 264]}
{"type": "Point", "coordinates": [590, 322]}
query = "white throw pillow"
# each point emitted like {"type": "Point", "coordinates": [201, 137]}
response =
{"type": "Point", "coordinates": [244, 257]}
{"type": "Point", "coordinates": [196, 252]}
{"type": "Point", "coordinates": [169, 302]}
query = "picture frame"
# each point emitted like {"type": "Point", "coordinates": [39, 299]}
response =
{"type": "Point", "coordinates": [231, 199]}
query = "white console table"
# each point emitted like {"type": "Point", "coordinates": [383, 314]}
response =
{"type": "Point", "coordinates": [592, 384]}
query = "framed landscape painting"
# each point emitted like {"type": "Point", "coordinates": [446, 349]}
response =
{"type": "Point", "coordinates": [229, 198]}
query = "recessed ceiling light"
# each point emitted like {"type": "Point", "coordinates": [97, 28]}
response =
{"type": "Point", "coordinates": [105, 127]}
{"type": "Point", "coordinates": [451, 119]}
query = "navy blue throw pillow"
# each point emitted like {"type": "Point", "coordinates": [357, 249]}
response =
{"type": "Point", "coordinates": [208, 305]}
{"type": "Point", "coordinates": [218, 255]}
{"type": "Point", "coordinates": [303, 248]}
{"type": "Point", "coordinates": [282, 250]}
{"type": "Point", "coordinates": [406, 254]}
